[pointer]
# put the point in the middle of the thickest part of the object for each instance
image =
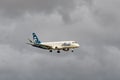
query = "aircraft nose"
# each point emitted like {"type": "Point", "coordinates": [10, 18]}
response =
{"type": "Point", "coordinates": [77, 45]}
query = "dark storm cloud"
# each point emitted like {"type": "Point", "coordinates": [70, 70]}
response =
{"type": "Point", "coordinates": [106, 15]}
{"type": "Point", "coordinates": [36, 5]}
{"type": "Point", "coordinates": [90, 22]}
{"type": "Point", "coordinates": [31, 65]}
{"type": "Point", "coordinates": [15, 8]}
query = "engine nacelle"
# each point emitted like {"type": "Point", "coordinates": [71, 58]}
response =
{"type": "Point", "coordinates": [66, 49]}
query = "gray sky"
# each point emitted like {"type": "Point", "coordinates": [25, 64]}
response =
{"type": "Point", "coordinates": [92, 23]}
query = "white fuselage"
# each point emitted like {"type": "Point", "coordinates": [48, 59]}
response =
{"type": "Point", "coordinates": [62, 44]}
{"type": "Point", "coordinates": [59, 45]}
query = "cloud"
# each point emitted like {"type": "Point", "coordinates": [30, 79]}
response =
{"type": "Point", "coordinates": [15, 8]}
{"type": "Point", "coordinates": [31, 65]}
{"type": "Point", "coordinates": [107, 12]}
{"type": "Point", "coordinates": [93, 23]}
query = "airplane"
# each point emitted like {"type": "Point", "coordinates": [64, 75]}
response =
{"type": "Point", "coordinates": [59, 45]}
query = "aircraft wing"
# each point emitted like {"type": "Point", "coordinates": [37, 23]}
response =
{"type": "Point", "coordinates": [45, 46]}
{"type": "Point", "coordinates": [41, 46]}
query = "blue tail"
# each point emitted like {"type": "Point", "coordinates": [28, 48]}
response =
{"type": "Point", "coordinates": [35, 39]}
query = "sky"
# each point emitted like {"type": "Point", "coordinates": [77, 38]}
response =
{"type": "Point", "coordinates": [94, 24]}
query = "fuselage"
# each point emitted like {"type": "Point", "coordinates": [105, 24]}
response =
{"type": "Point", "coordinates": [62, 44]}
{"type": "Point", "coordinates": [58, 45]}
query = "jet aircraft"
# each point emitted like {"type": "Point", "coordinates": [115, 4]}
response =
{"type": "Point", "coordinates": [58, 45]}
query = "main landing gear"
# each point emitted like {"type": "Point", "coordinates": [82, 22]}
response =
{"type": "Point", "coordinates": [58, 51]}
{"type": "Point", "coordinates": [50, 51]}
{"type": "Point", "coordinates": [72, 51]}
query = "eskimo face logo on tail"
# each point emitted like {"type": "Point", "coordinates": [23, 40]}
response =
{"type": "Point", "coordinates": [35, 38]}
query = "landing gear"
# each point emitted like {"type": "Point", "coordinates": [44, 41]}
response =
{"type": "Point", "coordinates": [58, 51]}
{"type": "Point", "coordinates": [50, 51]}
{"type": "Point", "coordinates": [72, 51]}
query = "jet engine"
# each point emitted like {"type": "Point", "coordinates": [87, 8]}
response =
{"type": "Point", "coordinates": [66, 49]}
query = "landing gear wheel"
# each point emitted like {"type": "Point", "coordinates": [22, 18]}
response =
{"type": "Point", "coordinates": [50, 51]}
{"type": "Point", "coordinates": [58, 51]}
{"type": "Point", "coordinates": [72, 51]}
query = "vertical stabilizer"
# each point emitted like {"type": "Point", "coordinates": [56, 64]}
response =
{"type": "Point", "coordinates": [35, 39]}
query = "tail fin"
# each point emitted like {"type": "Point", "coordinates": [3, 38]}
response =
{"type": "Point", "coordinates": [35, 39]}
